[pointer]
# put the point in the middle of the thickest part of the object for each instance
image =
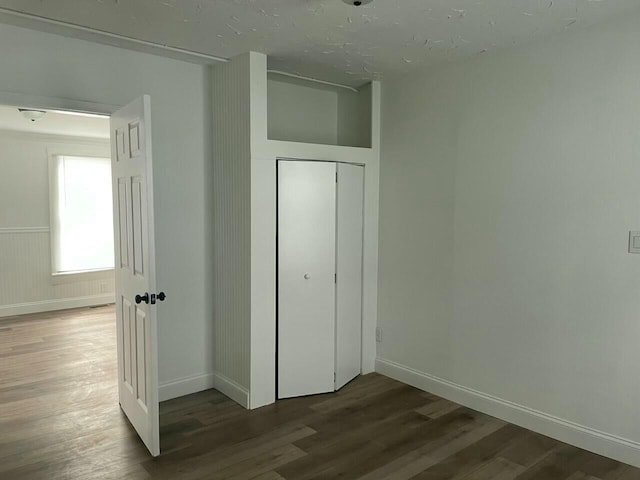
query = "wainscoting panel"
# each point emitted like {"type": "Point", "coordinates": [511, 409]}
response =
{"type": "Point", "coordinates": [26, 283]}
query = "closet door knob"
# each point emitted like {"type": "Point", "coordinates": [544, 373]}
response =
{"type": "Point", "coordinates": [307, 276]}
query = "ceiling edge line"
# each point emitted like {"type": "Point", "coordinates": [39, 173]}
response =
{"type": "Point", "coordinates": [310, 79]}
{"type": "Point", "coordinates": [116, 36]}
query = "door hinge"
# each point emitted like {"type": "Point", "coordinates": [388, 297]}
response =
{"type": "Point", "coordinates": [336, 177]}
{"type": "Point", "coordinates": [335, 278]}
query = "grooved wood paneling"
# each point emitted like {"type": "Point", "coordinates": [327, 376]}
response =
{"type": "Point", "coordinates": [25, 271]}
{"type": "Point", "coordinates": [232, 218]}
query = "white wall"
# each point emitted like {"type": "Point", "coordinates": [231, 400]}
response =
{"type": "Point", "coordinates": [26, 283]}
{"type": "Point", "coordinates": [354, 117]}
{"type": "Point", "coordinates": [298, 112]}
{"type": "Point", "coordinates": [509, 185]}
{"type": "Point", "coordinates": [24, 183]}
{"type": "Point", "coordinates": [35, 63]}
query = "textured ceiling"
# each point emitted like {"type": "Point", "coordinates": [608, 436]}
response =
{"type": "Point", "coordinates": [331, 40]}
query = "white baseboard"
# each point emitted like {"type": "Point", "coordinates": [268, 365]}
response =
{"type": "Point", "coordinates": [55, 304]}
{"type": "Point", "coordinates": [185, 386]}
{"type": "Point", "coordinates": [602, 443]}
{"type": "Point", "coordinates": [198, 383]}
{"type": "Point", "coordinates": [231, 389]}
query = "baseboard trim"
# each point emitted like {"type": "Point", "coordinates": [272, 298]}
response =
{"type": "Point", "coordinates": [55, 304]}
{"type": "Point", "coordinates": [185, 386]}
{"type": "Point", "coordinates": [587, 438]}
{"type": "Point", "coordinates": [231, 389]}
{"type": "Point", "coordinates": [198, 383]}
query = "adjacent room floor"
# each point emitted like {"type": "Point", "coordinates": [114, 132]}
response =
{"type": "Point", "coordinates": [59, 419]}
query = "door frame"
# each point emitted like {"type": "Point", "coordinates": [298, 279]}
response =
{"type": "Point", "coordinates": [277, 253]}
{"type": "Point", "coordinates": [57, 103]}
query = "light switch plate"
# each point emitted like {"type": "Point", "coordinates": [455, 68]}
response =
{"type": "Point", "coordinates": [634, 242]}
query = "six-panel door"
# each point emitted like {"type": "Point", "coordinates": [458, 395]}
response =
{"type": "Point", "coordinates": [135, 269]}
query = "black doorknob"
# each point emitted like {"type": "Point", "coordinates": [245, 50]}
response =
{"type": "Point", "coordinates": [161, 296]}
{"type": "Point", "coordinates": [142, 298]}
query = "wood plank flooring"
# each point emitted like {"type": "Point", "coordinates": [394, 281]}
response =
{"type": "Point", "coordinates": [59, 419]}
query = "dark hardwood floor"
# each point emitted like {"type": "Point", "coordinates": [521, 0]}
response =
{"type": "Point", "coordinates": [59, 419]}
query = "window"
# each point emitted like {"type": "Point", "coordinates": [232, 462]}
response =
{"type": "Point", "coordinates": [81, 214]}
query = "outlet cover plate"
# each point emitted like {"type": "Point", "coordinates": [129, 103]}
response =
{"type": "Point", "coordinates": [634, 242]}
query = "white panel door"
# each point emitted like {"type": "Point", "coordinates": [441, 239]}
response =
{"type": "Point", "coordinates": [306, 277]}
{"type": "Point", "coordinates": [350, 202]}
{"type": "Point", "coordinates": [135, 269]}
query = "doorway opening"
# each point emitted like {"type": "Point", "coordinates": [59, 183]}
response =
{"type": "Point", "coordinates": [57, 285]}
{"type": "Point", "coordinates": [56, 214]}
{"type": "Point", "coordinates": [91, 236]}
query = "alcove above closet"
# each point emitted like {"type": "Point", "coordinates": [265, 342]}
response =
{"type": "Point", "coordinates": [301, 110]}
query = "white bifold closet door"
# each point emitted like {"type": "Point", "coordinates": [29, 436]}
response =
{"type": "Point", "coordinates": [319, 276]}
{"type": "Point", "coordinates": [349, 239]}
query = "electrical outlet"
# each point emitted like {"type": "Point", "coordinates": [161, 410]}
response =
{"type": "Point", "coordinates": [378, 335]}
{"type": "Point", "coordinates": [634, 242]}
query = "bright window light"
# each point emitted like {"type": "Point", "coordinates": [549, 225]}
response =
{"type": "Point", "coordinates": [82, 214]}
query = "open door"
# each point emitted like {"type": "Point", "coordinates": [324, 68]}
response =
{"type": "Point", "coordinates": [135, 269]}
